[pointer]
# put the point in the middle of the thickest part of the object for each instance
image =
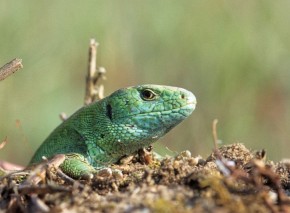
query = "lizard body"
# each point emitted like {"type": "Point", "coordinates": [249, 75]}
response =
{"type": "Point", "coordinates": [104, 131]}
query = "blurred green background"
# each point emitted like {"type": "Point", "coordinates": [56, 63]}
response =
{"type": "Point", "coordinates": [233, 55]}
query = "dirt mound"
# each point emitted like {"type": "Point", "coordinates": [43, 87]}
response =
{"type": "Point", "coordinates": [231, 179]}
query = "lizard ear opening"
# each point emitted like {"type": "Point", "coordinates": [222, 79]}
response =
{"type": "Point", "coordinates": [109, 111]}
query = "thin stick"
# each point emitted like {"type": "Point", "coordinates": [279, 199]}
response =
{"type": "Point", "coordinates": [93, 91]}
{"type": "Point", "coordinates": [10, 68]}
{"type": "Point", "coordinates": [3, 143]}
{"type": "Point", "coordinates": [214, 133]}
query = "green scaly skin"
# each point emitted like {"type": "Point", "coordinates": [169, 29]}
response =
{"type": "Point", "coordinates": [129, 119]}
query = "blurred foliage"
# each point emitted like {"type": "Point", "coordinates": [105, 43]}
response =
{"type": "Point", "coordinates": [233, 55]}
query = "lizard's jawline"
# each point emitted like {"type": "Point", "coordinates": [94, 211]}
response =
{"type": "Point", "coordinates": [186, 107]}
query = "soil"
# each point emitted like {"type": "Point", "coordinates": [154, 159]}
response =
{"type": "Point", "coordinates": [231, 179]}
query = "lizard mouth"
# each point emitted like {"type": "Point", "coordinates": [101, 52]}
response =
{"type": "Point", "coordinates": [191, 100]}
{"type": "Point", "coordinates": [189, 106]}
{"type": "Point", "coordinates": [184, 110]}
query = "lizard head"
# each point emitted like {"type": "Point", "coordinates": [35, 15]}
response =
{"type": "Point", "coordinates": [144, 113]}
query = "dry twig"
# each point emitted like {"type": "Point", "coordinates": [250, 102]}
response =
{"type": "Point", "coordinates": [93, 91]}
{"type": "Point", "coordinates": [39, 173]}
{"type": "Point", "coordinates": [3, 143]}
{"type": "Point", "coordinates": [214, 133]}
{"type": "Point", "coordinates": [10, 68]}
{"type": "Point", "coordinates": [259, 170]}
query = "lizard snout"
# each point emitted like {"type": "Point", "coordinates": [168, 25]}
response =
{"type": "Point", "coordinates": [189, 97]}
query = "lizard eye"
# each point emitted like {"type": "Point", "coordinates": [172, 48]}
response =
{"type": "Point", "coordinates": [148, 95]}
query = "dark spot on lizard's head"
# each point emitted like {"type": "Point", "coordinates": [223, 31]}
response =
{"type": "Point", "coordinates": [102, 135]}
{"type": "Point", "coordinates": [109, 111]}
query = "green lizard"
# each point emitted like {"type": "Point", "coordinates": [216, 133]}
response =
{"type": "Point", "coordinates": [101, 133]}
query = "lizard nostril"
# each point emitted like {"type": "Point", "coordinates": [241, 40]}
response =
{"type": "Point", "coordinates": [182, 96]}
